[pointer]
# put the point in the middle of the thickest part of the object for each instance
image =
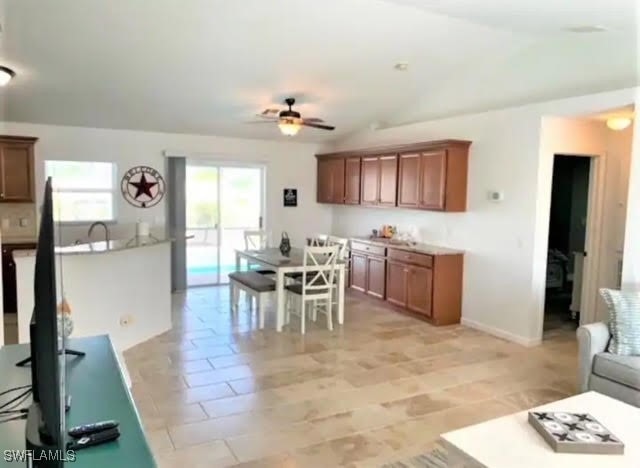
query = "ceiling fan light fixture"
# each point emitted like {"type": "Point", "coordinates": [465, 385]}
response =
{"type": "Point", "coordinates": [618, 123]}
{"type": "Point", "coordinates": [5, 75]}
{"type": "Point", "coordinates": [289, 127]}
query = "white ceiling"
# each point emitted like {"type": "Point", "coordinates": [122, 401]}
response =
{"type": "Point", "coordinates": [206, 66]}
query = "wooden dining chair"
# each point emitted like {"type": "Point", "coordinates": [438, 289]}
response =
{"type": "Point", "coordinates": [317, 286]}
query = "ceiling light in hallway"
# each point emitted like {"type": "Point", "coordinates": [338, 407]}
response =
{"type": "Point", "coordinates": [5, 75]}
{"type": "Point", "coordinates": [618, 123]}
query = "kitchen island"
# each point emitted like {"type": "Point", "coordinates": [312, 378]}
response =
{"type": "Point", "coordinates": [120, 287]}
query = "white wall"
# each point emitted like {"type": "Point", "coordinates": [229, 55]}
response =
{"type": "Point", "coordinates": [288, 164]}
{"type": "Point", "coordinates": [612, 151]}
{"type": "Point", "coordinates": [631, 266]}
{"type": "Point", "coordinates": [505, 263]}
{"type": "Point", "coordinates": [103, 289]}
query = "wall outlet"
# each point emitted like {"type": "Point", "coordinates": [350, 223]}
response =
{"type": "Point", "coordinates": [126, 320]}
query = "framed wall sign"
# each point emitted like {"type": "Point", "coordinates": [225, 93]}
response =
{"type": "Point", "coordinates": [290, 197]}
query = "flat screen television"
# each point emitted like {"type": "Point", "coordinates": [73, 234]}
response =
{"type": "Point", "coordinates": [44, 427]}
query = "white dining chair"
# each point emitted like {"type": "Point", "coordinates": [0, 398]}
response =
{"type": "Point", "coordinates": [319, 240]}
{"type": "Point", "coordinates": [317, 286]}
{"type": "Point", "coordinates": [342, 244]}
{"type": "Point", "coordinates": [256, 239]}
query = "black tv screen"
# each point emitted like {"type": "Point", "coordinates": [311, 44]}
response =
{"type": "Point", "coordinates": [44, 330]}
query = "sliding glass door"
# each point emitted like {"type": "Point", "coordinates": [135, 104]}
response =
{"type": "Point", "coordinates": [222, 202]}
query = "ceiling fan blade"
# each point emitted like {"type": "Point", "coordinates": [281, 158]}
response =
{"type": "Point", "coordinates": [314, 125]}
{"type": "Point", "coordinates": [267, 117]}
{"type": "Point", "coordinates": [260, 121]}
{"type": "Point", "coordinates": [313, 120]}
{"type": "Point", "coordinates": [269, 112]}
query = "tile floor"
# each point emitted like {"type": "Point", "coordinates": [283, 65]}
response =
{"type": "Point", "coordinates": [215, 391]}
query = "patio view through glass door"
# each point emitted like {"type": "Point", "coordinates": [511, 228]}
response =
{"type": "Point", "coordinates": [222, 202]}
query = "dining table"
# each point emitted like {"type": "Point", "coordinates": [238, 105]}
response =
{"type": "Point", "coordinates": [292, 262]}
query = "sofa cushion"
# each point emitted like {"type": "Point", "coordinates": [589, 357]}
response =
{"type": "Point", "coordinates": [621, 369]}
{"type": "Point", "coordinates": [624, 321]}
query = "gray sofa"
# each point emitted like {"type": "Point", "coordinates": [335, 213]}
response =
{"type": "Point", "coordinates": [610, 374]}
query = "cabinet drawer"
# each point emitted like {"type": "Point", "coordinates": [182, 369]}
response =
{"type": "Point", "coordinates": [411, 257]}
{"type": "Point", "coordinates": [368, 248]}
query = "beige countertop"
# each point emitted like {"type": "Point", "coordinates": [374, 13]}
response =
{"type": "Point", "coordinates": [19, 240]}
{"type": "Point", "coordinates": [102, 247]}
{"type": "Point", "coordinates": [409, 247]}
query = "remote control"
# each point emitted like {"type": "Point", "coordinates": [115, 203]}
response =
{"type": "Point", "coordinates": [94, 439]}
{"type": "Point", "coordinates": [87, 429]}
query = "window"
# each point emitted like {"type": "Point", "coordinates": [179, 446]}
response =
{"type": "Point", "coordinates": [83, 191]}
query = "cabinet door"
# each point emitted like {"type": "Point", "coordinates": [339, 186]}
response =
{"type": "Point", "coordinates": [388, 180]}
{"type": "Point", "coordinates": [370, 181]}
{"type": "Point", "coordinates": [16, 174]}
{"type": "Point", "coordinates": [433, 175]}
{"type": "Point", "coordinates": [352, 181]}
{"type": "Point", "coordinates": [408, 180]}
{"type": "Point", "coordinates": [376, 275]}
{"type": "Point", "coordinates": [419, 290]}
{"type": "Point", "coordinates": [337, 181]}
{"type": "Point", "coordinates": [397, 283]}
{"type": "Point", "coordinates": [324, 189]}
{"type": "Point", "coordinates": [358, 272]}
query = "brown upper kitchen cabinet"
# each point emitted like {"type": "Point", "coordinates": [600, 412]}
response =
{"type": "Point", "coordinates": [434, 179]}
{"type": "Point", "coordinates": [352, 181]}
{"type": "Point", "coordinates": [426, 176]}
{"type": "Point", "coordinates": [408, 180]}
{"type": "Point", "coordinates": [379, 180]}
{"type": "Point", "coordinates": [16, 169]}
{"type": "Point", "coordinates": [331, 181]}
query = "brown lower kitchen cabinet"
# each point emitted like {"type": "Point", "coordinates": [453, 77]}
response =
{"type": "Point", "coordinates": [9, 294]}
{"type": "Point", "coordinates": [368, 269]}
{"type": "Point", "coordinates": [428, 285]}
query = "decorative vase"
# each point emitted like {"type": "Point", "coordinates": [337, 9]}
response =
{"type": "Point", "coordinates": [65, 323]}
{"type": "Point", "coordinates": [285, 244]}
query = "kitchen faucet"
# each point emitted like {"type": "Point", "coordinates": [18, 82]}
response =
{"type": "Point", "coordinates": [106, 230]}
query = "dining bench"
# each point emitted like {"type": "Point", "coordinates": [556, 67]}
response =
{"type": "Point", "coordinates": [256, 285]}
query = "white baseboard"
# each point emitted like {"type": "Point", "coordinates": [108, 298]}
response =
{"type": "Point", "coordinates": [521, 340]}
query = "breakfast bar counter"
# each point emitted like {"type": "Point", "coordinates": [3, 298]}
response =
{"type": "Point", "coordinates": [120, 287]}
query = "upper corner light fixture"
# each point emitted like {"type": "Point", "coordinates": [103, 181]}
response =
{"type": "Point", "coordinates": [5, 75]}
{"type": "Point", "coordinates": [618, 123]}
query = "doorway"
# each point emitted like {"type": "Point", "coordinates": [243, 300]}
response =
{"type": "Point", "coordinates": [566, 244]}
{"type": "Point", "coordinates": [222, 201]}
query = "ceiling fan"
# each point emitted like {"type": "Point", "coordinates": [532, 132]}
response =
{"type": "Point", "coordinates": [289, 121]}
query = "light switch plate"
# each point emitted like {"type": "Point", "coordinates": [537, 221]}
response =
{"type": "Point", "coordinates": [6, 223]}
{"type": "Point", "coordinates": [24, 222]}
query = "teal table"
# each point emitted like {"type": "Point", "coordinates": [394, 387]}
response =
{"type": "Point", "coordinates": [98, 392]}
